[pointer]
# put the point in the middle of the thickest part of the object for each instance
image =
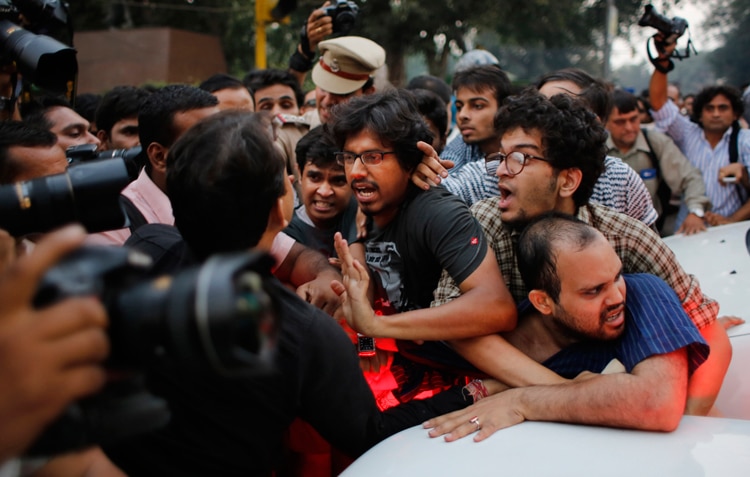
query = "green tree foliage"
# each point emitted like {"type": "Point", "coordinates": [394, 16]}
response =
{"type": "Point", "coordinates": [529, 36]}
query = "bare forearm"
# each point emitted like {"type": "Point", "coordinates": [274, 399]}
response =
{"type": "Point", "coordinates": [657, 90]}
{"type": "Point", "coordinates": [618, 400]}
{"type": "Point", "coordinates": [474, 313]}
{"type": "Point", "coordinates": [303, 265]}
{"type": "Point", "coordinates": [743, 213]}
{"type": "Point", "coordinates": [501, 360]}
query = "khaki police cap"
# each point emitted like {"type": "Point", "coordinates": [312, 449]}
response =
{"type": "Point", "coordinates": [346, 63]}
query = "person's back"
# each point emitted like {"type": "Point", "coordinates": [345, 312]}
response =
{"type": "Point", "coordinates": [229, 201]}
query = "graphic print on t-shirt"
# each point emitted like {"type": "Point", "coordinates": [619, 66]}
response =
{"type": "Point", "coordinates": [387, 266]}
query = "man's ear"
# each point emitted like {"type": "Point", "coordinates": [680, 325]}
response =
{"type": "Point", "coordinates": [103, 137]}
{"type": "Point", "coordinates": [541, 301]}
{"type": "Point", "coordinates": [157, 155]}
{"type": "Point", "coordinates": [569, 179]}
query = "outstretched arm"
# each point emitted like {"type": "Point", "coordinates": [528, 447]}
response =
{"type": "Point", "coordinates": [652, 397]}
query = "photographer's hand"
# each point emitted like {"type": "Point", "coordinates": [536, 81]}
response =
{"type": "Point", "coordinates": [48, 357]}
{"type": "Point", "coordinates": [319, 26]}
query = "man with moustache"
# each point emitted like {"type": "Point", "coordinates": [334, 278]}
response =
{"type": "Point", "coordinates": [580, 319]}
{"type": "Point", "coordinates": [413, 236]}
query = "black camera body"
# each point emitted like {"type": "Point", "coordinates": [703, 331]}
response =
{"type": "Point", "coordinates": [343, 13]}
{"type": "Point", "coordinates": [671, 29]}
{"type": "Point", "coordinates": [133, 157]}
{"type": "Point", "coordinates": [216, 318]}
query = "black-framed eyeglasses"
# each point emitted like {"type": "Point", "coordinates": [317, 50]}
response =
{"type": "Point", "coordinates": [514, 161]}
{"type": "Point", "coordinates": [369, 158]}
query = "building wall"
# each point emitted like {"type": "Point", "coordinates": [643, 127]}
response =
{"type": "Point", "coordinates": [145, 55]}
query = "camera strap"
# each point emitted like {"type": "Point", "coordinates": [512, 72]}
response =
{"type": "Point", "coordinates": [135, 217]}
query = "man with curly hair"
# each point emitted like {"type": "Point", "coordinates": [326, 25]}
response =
{"type": "Point", "coordinates": [551, 156]}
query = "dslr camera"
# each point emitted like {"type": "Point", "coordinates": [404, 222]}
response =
{"type": "Point", "coordinates": [88, 192]}
{"type": "Point", "coordinates": [41, 59]}
{"type": "Point", "coordinates": [671, 29]}
{"type": "Point", "coordinates": [343, 13]}
{"type": "Point", "coordinates": [133, 158]}
{"type": "Point", "coordinates": [216, 318]}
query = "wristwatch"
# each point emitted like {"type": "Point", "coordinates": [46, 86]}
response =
{"type": "Point", "coordinates": [697, 212]}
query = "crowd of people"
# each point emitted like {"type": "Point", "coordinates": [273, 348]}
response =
{"type": "Point", "coordinates": [463, 256]}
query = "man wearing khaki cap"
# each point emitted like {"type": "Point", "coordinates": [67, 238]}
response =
{"type": "Point", "coordinates": [345, 70]}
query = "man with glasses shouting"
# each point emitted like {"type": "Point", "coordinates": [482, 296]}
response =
{"type": "Point", "coordinates": [413, 236]}
{"type": "Point", "coordinates": [552, 153]}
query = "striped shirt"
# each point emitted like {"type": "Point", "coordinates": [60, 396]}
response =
{"type": "Point", "coordinates": [689, 137]}
{"type": "Point", "coordinates": [655, 323]}
{"type": "Point", "coordinates": [619, 188]}
{"type": "Point", "coordinates": [640, 249]}
{"type": "Point", "coordinates": [462, 154]}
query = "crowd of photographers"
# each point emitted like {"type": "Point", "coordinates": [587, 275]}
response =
{"type": "Point", "coordinates": [163, 171]}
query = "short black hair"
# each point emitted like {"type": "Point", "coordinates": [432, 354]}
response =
{"type": "Point", "coordinates": [595, 93]}
{"type": "Point", "coordinates": [316, 148]}
{"type": "Point", "coordinates": [431, 83]}
{"type": "Point", "coordinates": [17, 133]}
{"type": "Point", "coordinates": [433, 108]}
{"type": "Point", "coordinates": [572, 136]}
{"type": "Point", "coordinates": [259, 79]}
{"type": "Point", "coordinates": [121, 102]}
{"type": "Point", "coordinates": [707, 94]}
{"type": "Point", "coordinates": [538, 247]}
{"type": "Point", "coordinates": [156, 115]}
{"type": "Point", "coordinates": [86, 105]}
{"type": "Point", "coordinates": [223, 178]}
{"type": "Point", "coordinates": [484, 76]}
{"type": "Point", "coordinates": [391, 115]}
{"type": "Point", "coordinates": [34, 112]}
{"type": "Point", "coordinates": [221, 81]}
{"type": "Point", "coordinates": [624, 102]}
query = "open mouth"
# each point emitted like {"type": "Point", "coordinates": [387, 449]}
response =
{"type": "Point", "coordinates": [615, 316]}
{"type": "Point", "coordinates": [505, 195]}
{"type": "Point", "coordinates": [322, 206]}
{"type": "Point", "coordinates": [363, 192]}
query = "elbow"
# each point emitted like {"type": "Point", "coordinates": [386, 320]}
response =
{"type": "Point", "coordinates": [664, 411]}
{"type": "Point", "coordinates": [505, 314]}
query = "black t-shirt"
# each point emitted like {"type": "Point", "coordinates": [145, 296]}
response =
{"type": "Point", "coordinates": [322, 239]}
{"type": "Point", "coordinates": [433, 231]}
{"type": "Point", "coordinates": [228, 427]}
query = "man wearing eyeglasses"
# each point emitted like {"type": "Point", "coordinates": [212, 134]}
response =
{"type": "Point", "coordinates": [552, 153]}
{"type": "Point", "coordinates": [413, 235]}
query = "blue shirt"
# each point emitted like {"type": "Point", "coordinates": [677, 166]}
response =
{"type": "Point", "coordinates": [689, 137]}
{"type": "Point", "coordinates": [655, 323]}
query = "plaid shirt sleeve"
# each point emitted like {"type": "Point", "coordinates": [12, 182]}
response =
{"type": "Point", "coordinates": [642, 251]}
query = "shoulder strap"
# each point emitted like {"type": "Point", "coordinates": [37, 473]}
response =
{"type": "Point", "coordinates": [135, 217]}
{"type": "Point", "coordinates": [651, 153]}
{"type": "Point", "coordinates": [734, 152]}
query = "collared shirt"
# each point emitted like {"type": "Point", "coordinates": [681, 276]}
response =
{"type": "Point", "coordinates": [151, 201]}
{"type": "Point", "coordinates": [462, 154]}
{"type": "Point", "coordinates": [681, 176]}
{"type": "Point", "coordinates": [690, 138]}
{"type": "Point", "coordinates": [640, 249]}
{"type": "Point", "coordinates": [619, 187]}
